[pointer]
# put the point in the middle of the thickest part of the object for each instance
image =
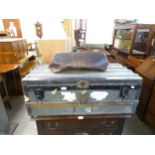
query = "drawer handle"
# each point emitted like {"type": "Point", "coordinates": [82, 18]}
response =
{"type": "Point", "coordinates": [112, 122]}
{"type": "Point", "coordinates": [53, 126]}
{"type": "Point", "coordinates": [103, 122]}
{"type": "Point", "coordinates": [108, 125]}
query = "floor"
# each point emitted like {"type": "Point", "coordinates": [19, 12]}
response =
{"type": "Point", "coordinates": [25, 126]}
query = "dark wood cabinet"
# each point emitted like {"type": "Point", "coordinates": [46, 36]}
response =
{"type": "Point", "coordinates": [132, 43]}
{"type": "Point", "coordinates": [134, 39]}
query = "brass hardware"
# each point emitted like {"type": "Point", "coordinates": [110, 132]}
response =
{"type": "Point", "coordinates": [103, 123]}
{"type": "Point", "coordinates": [53, 125]}
{"type": "Point", "coordinates": [112, 122]}
{"type": "Point", "coordinates": [83, 84]}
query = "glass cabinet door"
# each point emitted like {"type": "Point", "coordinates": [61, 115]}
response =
{"type": "Point", "coordinates": [141, 40]}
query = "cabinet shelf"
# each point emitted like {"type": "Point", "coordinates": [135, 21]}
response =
{"type": "Point", "coordinates": [132, 41]}
{"type": "Point", "coordinates": [140, 38]}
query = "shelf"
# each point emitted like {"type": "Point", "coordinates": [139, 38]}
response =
{"type": "Point", "coordinates": [116, 37]}
{"type": "Point", "coordinates": [135, 39]}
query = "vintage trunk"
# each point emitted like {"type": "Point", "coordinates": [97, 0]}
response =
{"type": "Point", "coordinates": [82, 97]}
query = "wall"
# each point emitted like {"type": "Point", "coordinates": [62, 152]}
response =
{"type": "Point", "coordinates": [100, 15]}
{"type": "Point", "coordinates": [48, 48]}
{"type": "Point", "coordinates": [1, 26]}
{"type": "Point", "coordinates": [98, 30]}
{"type": "Point", "coordinates": [52, 28]}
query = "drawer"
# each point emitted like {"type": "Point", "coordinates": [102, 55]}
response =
{"type": "Point", "coordinates": [69, 124]}
{"type": "Point", "coordinates": [80, 125]}
{"type": "Point", "coordinates": [84, 124]}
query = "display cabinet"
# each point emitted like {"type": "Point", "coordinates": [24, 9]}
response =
{"type": "Point", "coordinates": [134, 39]}
{"type": "Point", "coordinates": [132, 44]}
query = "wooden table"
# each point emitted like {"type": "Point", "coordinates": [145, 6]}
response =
{"type": "Point", "coordinates": [4, 68]}
{"type": "Point", "coordinates": [12, 78]}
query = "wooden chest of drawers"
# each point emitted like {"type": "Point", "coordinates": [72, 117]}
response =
{"type": "Point", "coordinates": [74, 126]}
{"type": "Point", "coordinates": [147, 71]}
{"type": "Point", "coordinates": [150, 113]}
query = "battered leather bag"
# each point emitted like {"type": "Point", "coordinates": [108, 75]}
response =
{"type": "Point", "coordinates": [79, 60]}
